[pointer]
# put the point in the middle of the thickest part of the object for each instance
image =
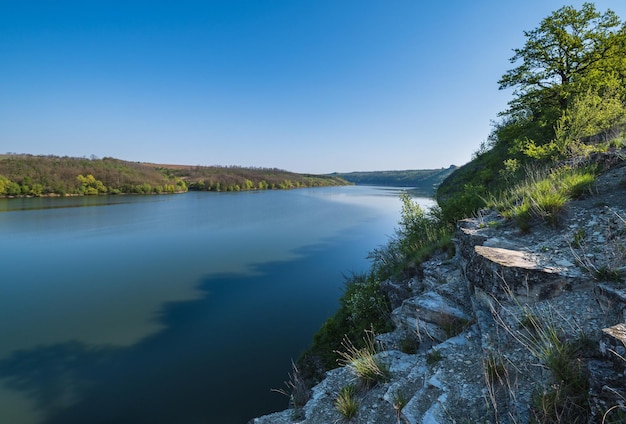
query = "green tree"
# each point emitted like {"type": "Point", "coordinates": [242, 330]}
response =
{"type": "Point", "coordinates": [4, 184]}
{"type": "Point", "coordinates": [89, 185]}
{"type": "Point", "coordinates": [13, 189]}
{"type": "Point", "coordinates": [567, 47]}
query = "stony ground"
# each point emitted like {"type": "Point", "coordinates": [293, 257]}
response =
{"type": "Point", "coordinates": [474, 358]}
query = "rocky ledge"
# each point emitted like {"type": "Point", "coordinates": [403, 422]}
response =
{"type": "Point", "coordinates": [475, 324]}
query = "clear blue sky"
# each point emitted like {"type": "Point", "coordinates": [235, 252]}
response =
{"type": "Point", "coordinates": [304, 85]}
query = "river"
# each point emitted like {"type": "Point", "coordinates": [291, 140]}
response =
{"type": "Point", "coordinates": [175, 308]}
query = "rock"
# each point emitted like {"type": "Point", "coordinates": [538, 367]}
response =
{"type": "Point", "coordinates": [396, 292]}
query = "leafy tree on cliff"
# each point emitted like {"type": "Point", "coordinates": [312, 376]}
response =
{"type": "Point", "coordinates": [569, 51]}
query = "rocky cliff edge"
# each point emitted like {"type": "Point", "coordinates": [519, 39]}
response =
{"type": "Point", "coordinates": [478, 326]}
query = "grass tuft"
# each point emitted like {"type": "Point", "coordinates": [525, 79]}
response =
{"type": "Point", "coordinates": [346, 402]}
{"type": "Point", "coordinates": [363, 361]}
{"type": "Point", "coordinates": [296, 390]}
{"type": "Point", "coordinates": [434, 356]}
{"type": "Point", "coordinates": [543, 195]}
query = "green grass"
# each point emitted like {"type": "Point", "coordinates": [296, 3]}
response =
{"type": "Point", "coordinates": [606, 273]}
{"type": "Point", "coordinates": [543, 195]}
{"type": "Point", "coordinates": [434, 356]}
{"type": "Point", "coordinates": [566, 399]}
{"type": "Point", "coordinates": [363, 361]}
{"type": "Point", "coordinates": [346, 402]}
{"type": "Point", "coordinates": [409, 345]}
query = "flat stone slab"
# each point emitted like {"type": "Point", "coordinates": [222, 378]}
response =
{"type": "Point", "coordinates": [512, 259]}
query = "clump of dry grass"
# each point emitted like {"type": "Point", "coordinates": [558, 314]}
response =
{"type": "Point", "coordinates": [363, 361]}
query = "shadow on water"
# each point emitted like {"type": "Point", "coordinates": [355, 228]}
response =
{"type": "Point", "coordinates": [215, 361]}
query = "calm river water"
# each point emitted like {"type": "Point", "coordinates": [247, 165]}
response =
{"type": "Point", "coordinates": [172, 309]}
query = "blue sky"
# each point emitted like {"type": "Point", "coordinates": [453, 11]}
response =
{"type": "Point", "coordinates": [305, 85]}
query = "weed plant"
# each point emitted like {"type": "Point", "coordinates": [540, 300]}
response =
{"type": "Point", "coordinates": [566, 399]}
{"type": "Point", "coordinates": [608, 263]}
{"type": "Point", "coordinates": [434, 356]}
{"type": "Point", "coordinates": [346, 402]}
{"type": "Point", "coordinates": [453, 326]}
{"type": "Point", "coordinates": [495, 370]}
{"type": "Point", "coordinates": [363, 361]}
{"type": "Point", "coordinates": [296, 390]}
{"type": "Point", "coordinates": [398, 401]}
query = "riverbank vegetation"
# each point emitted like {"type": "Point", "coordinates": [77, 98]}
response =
{"type": "Point", "coordinates": [567, 117]}
{"type": "Point", "coordinates": [30, 175]}
{"type": "Point", "coordinates": [236, 178]}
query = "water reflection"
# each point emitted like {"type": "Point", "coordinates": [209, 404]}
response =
{"type": "Point", "coordinates": [233, 343]}
{"type": "Point", "coordinates": [172, 309]}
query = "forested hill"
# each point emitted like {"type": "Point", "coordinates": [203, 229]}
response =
{"type": "Point", "coordinates": [425, 181]}
{"type": "Point", "coordinates": [236, 178]}
{"type": "Point", "coordinates": [30, 175]}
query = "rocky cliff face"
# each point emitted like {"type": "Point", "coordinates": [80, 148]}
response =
{"type": "Point", "coordinates": [484, 328]}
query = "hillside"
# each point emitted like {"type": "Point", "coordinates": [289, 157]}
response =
{"type": "Point", "coordinates": [236, 178]}
{"type": "Point", "coordinates": [423, 181]}
{"type": "Point", "coordinates": [30, 175]}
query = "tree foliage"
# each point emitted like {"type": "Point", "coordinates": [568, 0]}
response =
{"type": "Point", "coordinates": [559, 55]}
{"type": "Point", "coordinates": [569, 100]}
{"type": "Point", "coordinates": [236, 178]}
{"type": "Point", "coordinates": [28, 175]}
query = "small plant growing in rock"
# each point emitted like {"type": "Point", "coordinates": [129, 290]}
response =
{"type": "Point", "coordinates": [409, 345]}
{"type": "Point", "coordinates": [605, 273]}
{"type": "Point", "coordinates": [398, 402]}
{"type": "Point", "coordinates": [453, 326]}
{"type": "Point", "coordinates": [363, 361]}
{"type": "Point", "coordinates": [579, 238]}
{"type": "Point", "coordinates": [495, 369]}
{"type": "Point", "coordinates": [296, 390]}
{"type": "Point", "coordinates": [346, 402]}
{"type": "Point", "coordinates": [529, 320]}
{"type": "Point", "coordinates": [566, 399]}
{"type": "Point", "coordinates": [433, 357]}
